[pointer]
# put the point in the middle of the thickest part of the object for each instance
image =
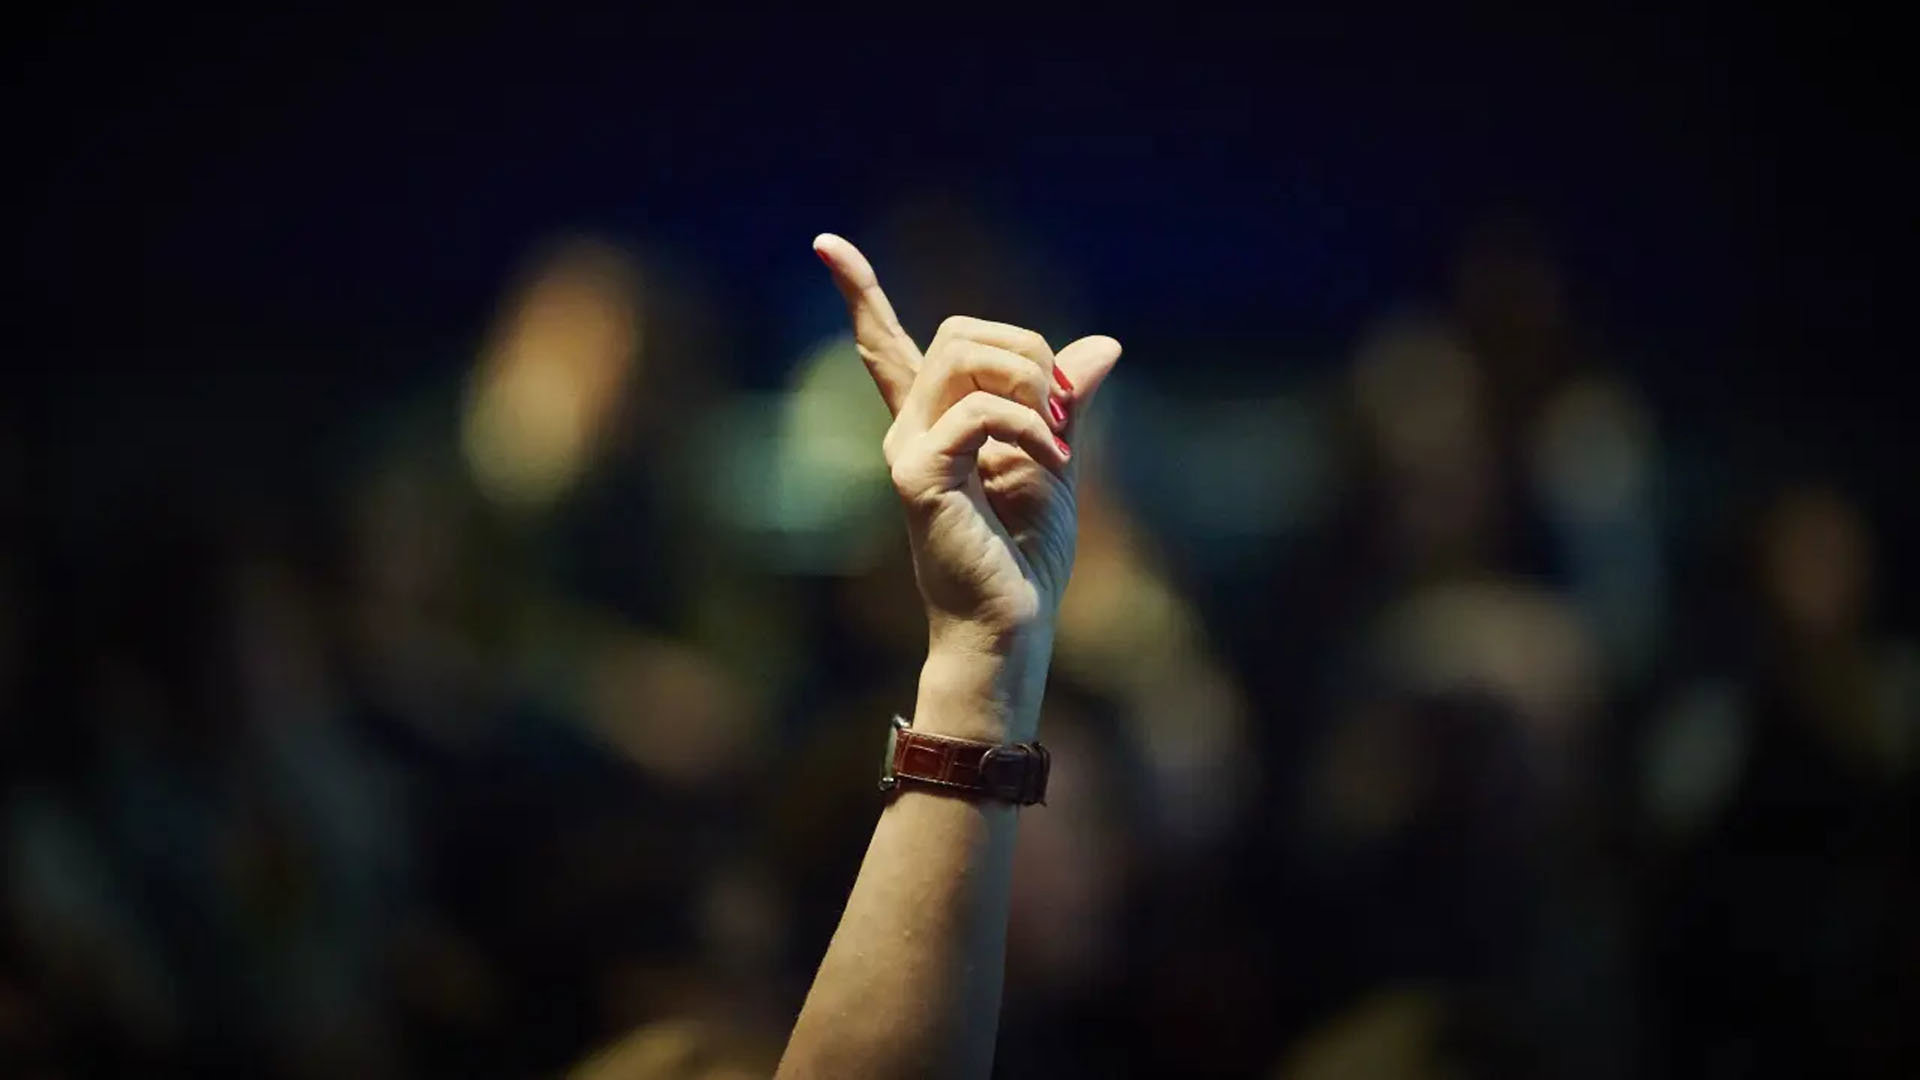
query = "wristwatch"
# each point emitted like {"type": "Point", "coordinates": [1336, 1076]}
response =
{"type": "Point", "coordinates": [1008, 772]}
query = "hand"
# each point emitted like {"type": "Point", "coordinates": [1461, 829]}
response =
{"type": "Point", "coordinates": [980, 453]}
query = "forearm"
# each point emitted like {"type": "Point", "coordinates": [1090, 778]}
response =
{"type": "Point", "coordinates": [910, 986]}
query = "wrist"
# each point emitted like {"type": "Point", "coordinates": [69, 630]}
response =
{"type": "Point", "coordinates": [985, 687]}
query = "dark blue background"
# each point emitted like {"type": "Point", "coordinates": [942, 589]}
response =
{"type": "Point", "coordinates": [354, 170]}
{"type": "Point", "coordinates": [1728, 193]}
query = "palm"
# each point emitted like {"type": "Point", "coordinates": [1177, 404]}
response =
{"type": "Point", "coordinates": [1001, 540]}
{"type": "Point", "coordinates": [1033, 509]}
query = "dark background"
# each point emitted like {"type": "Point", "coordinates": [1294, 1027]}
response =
{"type": "Point", "coordinates": [258, 254]}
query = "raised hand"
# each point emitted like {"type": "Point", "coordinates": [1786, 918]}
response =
{"type": "Point", "coordinates": [980, 453]}
{"type": "Point", "coordinates": [980, 449]}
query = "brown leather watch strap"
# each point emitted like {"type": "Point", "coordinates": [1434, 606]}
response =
{"type": "Point", "coordinates": [1009, 772]}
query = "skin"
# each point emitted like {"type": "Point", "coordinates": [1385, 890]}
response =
{"type": "Point", "coordinates": [980, 456]}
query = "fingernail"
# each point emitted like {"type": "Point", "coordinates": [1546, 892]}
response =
{"type": "Point", "coordinates": [1061, 378]}
{"type": "Point", "coordinates": [823, 256]}
{"type": "Point", "coordinates": [1065, 451]}
{"type": "Point", "coordinates": [1055, 410]}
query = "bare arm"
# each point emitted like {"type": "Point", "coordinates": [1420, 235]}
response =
{"type": "Point", "coordinates": [910, 986]}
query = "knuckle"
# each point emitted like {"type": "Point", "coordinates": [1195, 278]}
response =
{"type": "Point", "coordinates": [1037, 383]}
{"type": "Point", "coordinates": [1032, 342]}
{"type": "Point", "coordinates": [967, 357]}
{"type": "Point", "coordinates": [913, 477]}
{"type": "Point", "coordinates": [903, 478]}
{"type": "Point", "coordinates": [956, 325]}
{"type": "Point", "coordinates": [993, 369]}
{"type": "Point", "coordinates": [980, 360]}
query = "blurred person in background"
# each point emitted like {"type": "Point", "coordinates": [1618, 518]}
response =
{"type": "Point", "coordinates": [1394, 734]}
{"type": "Point", "coordinates": [1486, 584]}
{"type": "Point", "coordinates": [222, 882]}
{"type": "Point", "coordinates": [568, 729]}
{"type": "Point", "coordinates": [482, 795]}
{"type": "Point", "coordinates": [1781, 798]}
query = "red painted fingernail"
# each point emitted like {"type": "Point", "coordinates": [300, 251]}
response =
{"type": "Point", "coordinates": [1054, 410]}
{"type": "Point", "coordinates": [823, 256]}
{"type": "Point", "coordinates": [1061, 378]}
{"type": "Point", "coordinates": [1065, 451]}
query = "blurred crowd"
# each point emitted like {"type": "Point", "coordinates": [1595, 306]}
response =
{"type": "Point", "coordinates": [1428, 705]}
